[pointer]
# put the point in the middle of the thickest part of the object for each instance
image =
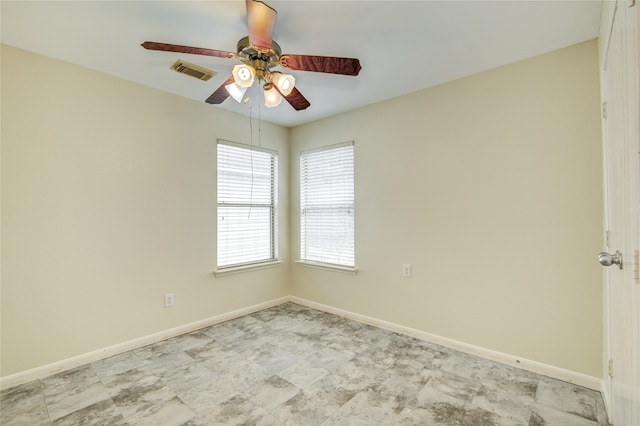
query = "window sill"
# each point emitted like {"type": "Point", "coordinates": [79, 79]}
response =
{"type": "Point", "coordinates": [328, 266]}
{"type": "Point", "coordinates": [245, 268]}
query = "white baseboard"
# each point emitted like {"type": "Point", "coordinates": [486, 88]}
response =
{"type": "Point", "coordinates": [525, 364]}
{"type": "Point", "coordinates": [514, 361]}
{"type": "Point", "coordinates": [87, 358]}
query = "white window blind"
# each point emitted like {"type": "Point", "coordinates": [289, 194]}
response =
{"type": "Point", "coordinates": [327, 205]}
{"type": "Point", "coordinates": [247, 204]}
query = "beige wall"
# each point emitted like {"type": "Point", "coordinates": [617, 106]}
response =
{"type": "Point", "coordinates": [108, 202]}
{"type": "Point", "coordinates": [490, 187]}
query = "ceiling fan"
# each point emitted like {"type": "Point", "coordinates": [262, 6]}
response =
{"type": "Point", "coordinates": [259, 54]}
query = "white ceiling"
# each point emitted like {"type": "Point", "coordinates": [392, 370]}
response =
{"type": "Point", "coordinates": [403, 46]}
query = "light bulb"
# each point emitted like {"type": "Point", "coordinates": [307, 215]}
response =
{"type": "Point", "coordinates": [244, 75]}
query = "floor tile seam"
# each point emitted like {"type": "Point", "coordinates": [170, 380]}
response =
{"type": "Point", "coordinates": [304, 392]}
{"type": "Point", "coordinates": [400, 406]}
{"type": "Point", "coordinates": [494, 406]}
{"type": "Point", "coordinates": [196, 414]}
{"type": "Point", "coordinates": [157, 370]}
{"type": "Point", "coordinates": [193, 412]}
{"type": "Point", "coordinates": [601, 412]}
{"type": "Point", "coordinates": [44, 401]}
{"type": "Point", "coordinates": [156, 408]}
{"type": "Point", "coordinates": [84, 405]}
{"type": "Point", "coordinates": [593, 396]}
{"type": "Point", "coordinates": [182, 392]}
{"type": "Point", "coordinates": [273, 410]}
{"type": "Point", "coordinates": [126, 391]}
{"type": "Point", "coordinates": [595, 422]}
{"type": "Point", "coordinates": [88, 407]}
{"type": "Point", "coordinates": [215, 407]}
{"type": "Point", "coordinates": [99, 373]}
{"type": "Point", "coordinates": [474, 381]}
{"type": "Point", "coordinates": [111, 390]}
{"type": "Point", "coordinates": [509, 397]}
{"type": "Point", "coordinates": [37, 391]}
{"type": "Point", "coordinates": [595, 419]}
{"type": "Point", "coordinates": [119, 410]}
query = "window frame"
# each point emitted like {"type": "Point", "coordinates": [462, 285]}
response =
{"type": "Point", "coordinates": [256, 263]}
{"type": "Point", "coordinates": [304, 258]}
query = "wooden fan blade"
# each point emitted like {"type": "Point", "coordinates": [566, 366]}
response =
{"type": "Point", "coordinates": [261, 21]}
{"type": "Point", "coordinates": [296, 100]}
{"type": "Point", "coordinates": [221, 93]}
{"type": "Point", "coordinates": [328, 64]}
{"type": "Point", "coordinates": [152, 45]}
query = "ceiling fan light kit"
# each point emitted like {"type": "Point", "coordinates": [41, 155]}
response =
{"type": "Point", "coordinates": [259, 53]}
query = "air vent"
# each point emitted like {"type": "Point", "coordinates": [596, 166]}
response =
{"type": "Point", "coordinates": [192, 70]}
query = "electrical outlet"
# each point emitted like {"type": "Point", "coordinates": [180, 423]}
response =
{"type": "Point", "coordinates": [169, 300]}
{"type": "Point", "coordinates": [406, 270]}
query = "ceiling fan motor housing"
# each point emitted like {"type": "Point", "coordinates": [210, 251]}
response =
{"type": "Point", "coordinates": [260, 60]}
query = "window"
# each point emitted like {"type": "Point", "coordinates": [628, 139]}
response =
{"type": "Point", "coordinates": [247, 205]}
{"type": "Point", "coordinates": [327, 205]}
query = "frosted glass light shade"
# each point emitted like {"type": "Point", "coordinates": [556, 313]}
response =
{"type": "Point", "coordinates": [244, 75]}
{"type": "Point", "coordinates": [236, 91]}
{"type": "Point", "coordinates": [284, 82]}
{"type": "Point", "coordinates": [271, 97]}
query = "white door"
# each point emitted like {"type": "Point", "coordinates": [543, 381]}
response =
{"type": "Point", "coordinates": [621, 135]}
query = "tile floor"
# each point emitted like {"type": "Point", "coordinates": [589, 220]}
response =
{"type": "Point", "coordinates": [290, 365]}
